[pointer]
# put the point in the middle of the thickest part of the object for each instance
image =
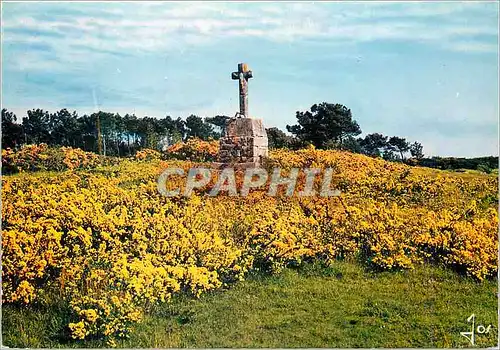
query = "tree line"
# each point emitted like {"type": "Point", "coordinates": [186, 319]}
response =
{"type": "Point", "coordinates": [103, 132]}
{"type": "Point", "coordinates": [328, 125]}
{"type": "Point", "coordinates": [324, 125]}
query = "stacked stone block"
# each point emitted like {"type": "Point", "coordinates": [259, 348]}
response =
{"type": "Point", "coordinates": [244, 142]}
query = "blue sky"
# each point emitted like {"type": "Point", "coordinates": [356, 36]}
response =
{"type": "Point", "coordinates": [424, 71]}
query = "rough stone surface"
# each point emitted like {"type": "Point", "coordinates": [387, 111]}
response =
{"type": "Point", "coordinates": [242, 75]}
{"type": "Point", "coordinates": [244, 141]}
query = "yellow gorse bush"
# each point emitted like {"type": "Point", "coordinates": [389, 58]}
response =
{"type": "Point", "coordinates": [43, 157]}
{"type": "Point", "coordinates": [110, 245]}
{"type": "Point", "coordinates": [194, 149]}
{"type": "Point", "coordinates": [147, 154]}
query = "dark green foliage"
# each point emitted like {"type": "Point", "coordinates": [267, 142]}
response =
{"type": "Point", "coordinates": [219, 121]}
{"type": "Point", "coordinates": [197, 127]}
{"type": "Point", "coordinates": [374, 144]}
{"type": "Point", "coordinates": [12, 133]}
{"type": "Point", "coordinates": [36, 126]}
{"type": "Point", "coordinates": [417, 150]}
{"type": "Point", "coordinates": [351, 144]}
{"type": "Point", "coordinates": [279, 139]}
{"type": "Point", "coordinates": [389, 155]}
{"type": "Point", "coordinates": [400, 145]}
{"type": "Point", "coordinates": [65, 128]}
{"type": "Point", "coordinates": [325, 123]}
{"type": "Point", "coordinates": [121, 135]}
{"type": "Point", "coordinates": [484, 168]}
{"type": "Point", "coordinates": [485, 164]}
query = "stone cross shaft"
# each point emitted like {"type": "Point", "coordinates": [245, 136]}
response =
{"type": "Point", "coordinates": [243, 74]}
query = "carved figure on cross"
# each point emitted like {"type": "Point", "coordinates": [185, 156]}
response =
{"type": "Point", "coordinates": [243, 74]}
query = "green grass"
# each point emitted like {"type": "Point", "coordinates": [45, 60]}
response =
{"type": "Point", "coordinates": [338, 306]}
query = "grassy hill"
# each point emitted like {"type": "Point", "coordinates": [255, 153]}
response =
{"type": "Point", "coordinates": [91, 251]}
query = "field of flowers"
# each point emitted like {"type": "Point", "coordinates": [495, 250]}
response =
{"type": "Point", "coordinates": [43, 157]}
{"type": "Point", "coordinates": [103, 239]}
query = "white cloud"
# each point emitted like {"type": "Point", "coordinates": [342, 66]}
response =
{"type": "Point", "coordinates": [472, 46]}
{"type": "Point", "coordinates": [155, 27]}
{"type": "Point", "coordinates": [77, 45]}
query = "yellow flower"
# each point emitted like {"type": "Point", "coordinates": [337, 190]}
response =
{"type": "Point", "coordinates": [77, 330]}
{"type": "Point", "coordinates": [112, 244]}
{"type": "Point", "coordinates": [90, 315]}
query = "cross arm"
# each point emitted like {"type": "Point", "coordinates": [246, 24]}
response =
{"type": "Point", "coordinates": [247, 75]}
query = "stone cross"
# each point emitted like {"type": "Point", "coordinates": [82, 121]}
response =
{"type": "Point", "coordinates": [243, 74]}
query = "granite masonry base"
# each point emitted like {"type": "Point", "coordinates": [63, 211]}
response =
{"type": "Point", "coordinates": [244, 142]}
{"type": "Point", "coordinates": [236, 166]}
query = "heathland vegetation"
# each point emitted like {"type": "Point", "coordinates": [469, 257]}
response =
{"type": "Point", "coordinates": [325, 125]}
{"type": "Point", "coordinates": [90, 243]}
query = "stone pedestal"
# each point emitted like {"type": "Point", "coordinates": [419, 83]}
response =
{"type": "Point", "coordinates": [244, 142]}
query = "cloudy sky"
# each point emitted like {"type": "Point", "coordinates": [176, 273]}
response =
{"type": "Point", "coordinates": [424, 71]}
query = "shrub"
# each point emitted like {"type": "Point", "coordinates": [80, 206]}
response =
{"type": "Point", "coordinates": [195, 150]}
{"type": "Point", "coordinates": [147, 155]}
{"type": "Point", "coordinates": [113, 247]}
{"type": "Point", "coordinates": [42, 157]}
